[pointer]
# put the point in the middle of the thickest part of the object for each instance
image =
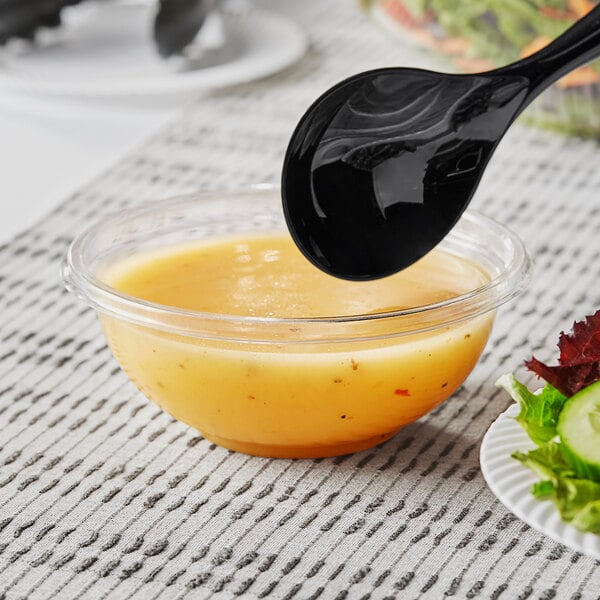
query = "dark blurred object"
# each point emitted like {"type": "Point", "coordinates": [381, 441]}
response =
{"type": "Point", "coordinates": [176, 24]}
{"type": "Point", "coordinates": [479, 35]}
{"type": "Point", "coordinates": [22, 18]}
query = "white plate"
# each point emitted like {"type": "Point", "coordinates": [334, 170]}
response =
{"type": "Point", "coordinates": [510, 482]}
{"type": "Point", "coordinates": [106, 49]}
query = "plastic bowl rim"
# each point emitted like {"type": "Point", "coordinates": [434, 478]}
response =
{"type": "Point", "coordinates": [100, 296]}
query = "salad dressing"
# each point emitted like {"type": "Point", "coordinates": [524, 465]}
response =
{"type": "Point", "coordinates": [256, 390]}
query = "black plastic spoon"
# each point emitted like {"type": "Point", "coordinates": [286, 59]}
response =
{"type": "Point", "coordinates": [382, 165]}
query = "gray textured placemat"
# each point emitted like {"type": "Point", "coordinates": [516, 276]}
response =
{"type": "Point", "coordinates": [104, 496]}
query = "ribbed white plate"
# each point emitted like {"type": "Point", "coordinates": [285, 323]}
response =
{"type": "Point", "coordinates": [510, 482]}
{"type": "Point", "coordinates": [106, 49]}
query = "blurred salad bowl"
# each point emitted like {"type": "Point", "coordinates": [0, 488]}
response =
{"type": "Point", "coordinates": [479, 35]}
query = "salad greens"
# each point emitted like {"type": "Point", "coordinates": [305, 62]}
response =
{"type": "Point", "coordinates": [565, 426]}
{"type": "Point", "coordinates": [539, 412]}
{"type": "Point", "coordinates": [497, 30]}
{"type": "Point", "coordinates": [478, 35]}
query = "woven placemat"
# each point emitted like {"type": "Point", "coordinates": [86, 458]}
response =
{"type": "Point", "coordinates": [102, 495]}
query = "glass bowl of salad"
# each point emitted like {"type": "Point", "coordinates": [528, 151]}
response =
{"type": "Point", "coordinates": [479, 35]}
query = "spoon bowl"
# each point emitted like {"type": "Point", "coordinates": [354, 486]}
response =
{"type": "Point", "coordinates": [382, 165]}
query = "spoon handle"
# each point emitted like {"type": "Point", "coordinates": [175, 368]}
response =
{"type": "Point", "coordinates": [575, 47]}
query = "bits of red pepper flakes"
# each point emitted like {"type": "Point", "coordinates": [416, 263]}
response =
{"type": "Point", "coordinates": [400, 392]}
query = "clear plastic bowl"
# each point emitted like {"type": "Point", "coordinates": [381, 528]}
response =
{"type": "Point", "coordinates": [288, 387]}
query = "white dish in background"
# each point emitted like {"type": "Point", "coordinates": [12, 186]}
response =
{"type": "Point", "coordinates": [510, 482]}
{"type": "Point", "coordinates": [107, 49]}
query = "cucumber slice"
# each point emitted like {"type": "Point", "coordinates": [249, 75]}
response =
{"type": "Point", "coordinates": [579, 431]}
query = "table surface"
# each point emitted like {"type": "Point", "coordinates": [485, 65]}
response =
{"type": "Point", "coordinates": [52, 147]}
{"type": "Point", "coordinates": [102, 495]}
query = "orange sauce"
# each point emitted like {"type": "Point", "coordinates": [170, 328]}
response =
{"type": "Point", "coordinates": [292, 398]}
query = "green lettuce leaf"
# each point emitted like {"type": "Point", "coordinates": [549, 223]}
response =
{"type": "Point", "coordinates": [588, 518]}
{"type": "Point", "coordinates": [542, 490]}
{"type": "Point", "coordinates": [573, 498]}
{"type": "Point", "coordinates": [547, 461]}
{"type": "Point", "coordinates": [578, 500]}
{"type": "Point", "coordinates": [539, 412]}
